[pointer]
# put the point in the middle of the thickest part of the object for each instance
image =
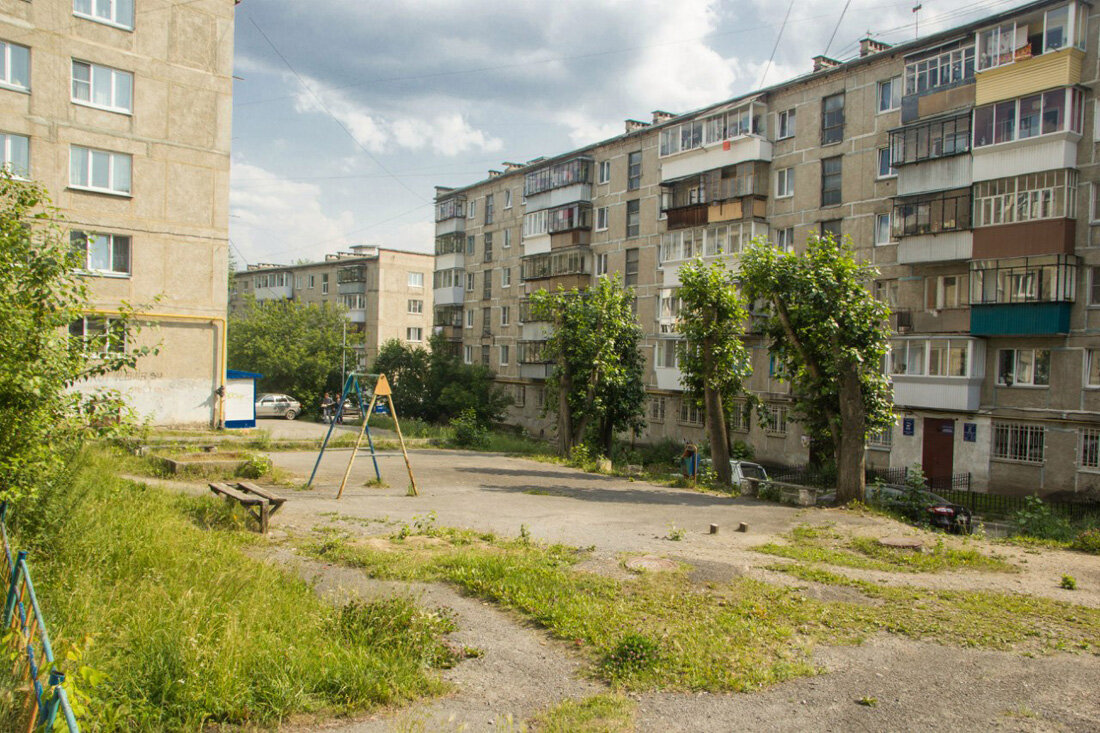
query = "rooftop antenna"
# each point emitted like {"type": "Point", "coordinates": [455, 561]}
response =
{"type": "Point", "coordinates": [916, 22]}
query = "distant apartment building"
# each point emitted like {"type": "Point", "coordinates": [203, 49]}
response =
{"type": "Point", "coordinates": [123, 112]}
{"type": "Point", "coordinates": [962, 165]}
{"type": "Point", "coordinates": [387, 293]}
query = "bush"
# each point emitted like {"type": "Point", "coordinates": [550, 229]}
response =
{"type": "Point", "coordinates": [467, 431]}
{"type": "Point", "coordinates": [1069, 582]}
{"type": "Point", "coordinates": [742, 451]}
{"type": "Point", "coordinates": [634, 653]}
{"type": "Point", "coordinates": [255, 467]}
{"type": "Point", "coordinates": [1088, 541]}
{"type": "Point", "coordinates": [1037, 520]}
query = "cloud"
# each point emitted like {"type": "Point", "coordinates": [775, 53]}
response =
{"type": "Point", "coordinates": [276, 219]}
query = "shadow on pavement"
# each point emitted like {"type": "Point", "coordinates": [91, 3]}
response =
{"type": "Point", "coordinates": [627, 496]}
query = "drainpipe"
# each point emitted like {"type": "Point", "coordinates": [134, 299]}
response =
{"type": "Point", "coordinates": [220, 345]}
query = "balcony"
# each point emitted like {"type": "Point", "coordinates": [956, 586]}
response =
{"type": "Point", "coordinates": [931, 156]}
{"type": "Point", "coordinates": [576, 261]}
{"type": "Point", "coordinates": [450, 208]}
{"type": "Point", "coordinates": [1028, 296]}
{"type": "Point", "coordinates": [450, 243]}
{"type": "Point", "coordinates": [933, 227]}
{"type": "Point", "coordinates": [275, 292]}
{"type": "Point", "coordinates": [451, 295]}
{"type": "Point", "coordinates": [532, 361]}
{"type": "Point", "coordinates": [1029, 74]}
{"type": "Point", "coordinates": [558, 184]}
{"type": "Point", "coordinates": [937, 373]}
{"type": "Point", "coordinates": [719, 155]}
{"type": "Point", "coordinates": [356, 315]}
{"type": "Point", "coordinates": [1026, 239]}
{"type": "Point", "coordinates": [668, 378]}
{"type": "Point", "coordinates": [569, 218]}
{"type": "Point", "coordinates": [938, 80]}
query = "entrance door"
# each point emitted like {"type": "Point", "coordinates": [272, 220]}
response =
{"type": "Point", "coordinates": [939, 448]}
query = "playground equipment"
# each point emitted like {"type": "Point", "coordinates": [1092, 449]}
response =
{"type": "Point", "coordinates": [381, 401]}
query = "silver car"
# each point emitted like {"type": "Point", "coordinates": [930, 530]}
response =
{"type": "Point", "coordinates": [278, 405]}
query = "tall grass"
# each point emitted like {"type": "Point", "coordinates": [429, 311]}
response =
{"type": "Point", "coordinates": [189, 631]}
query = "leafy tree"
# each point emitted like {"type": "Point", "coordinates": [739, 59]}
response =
{"type": "Point", "coordinates": [596, 385]}
{"type": "Point", "coordinates": [408, 370]}
{"type": "Point", "coordinates": [713, 358]}
{"type": "Point", "coordinates": [830, 336]}
{"type": "Point", "coordinates": [41, 293]}
{"type": "Point", "coordinates": [296, 346]}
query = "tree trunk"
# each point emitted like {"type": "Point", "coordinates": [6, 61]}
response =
{"type": "Point", "coordinates": [565, 418]}
{"type": "Point", "coordinates": [717, 435]}
{"type": "Point", "coordinates": [851, 441]}
{"type": "Point", "coordinates": [607, 436]}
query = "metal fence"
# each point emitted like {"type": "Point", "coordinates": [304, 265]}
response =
{"type": "Point", "coordinates": [34, 655]}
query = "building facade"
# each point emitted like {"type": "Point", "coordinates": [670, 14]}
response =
{"type": "Point", "coordinates": [123, 112]}
{"type": "Point", "coordinates": [387, 293]}
{"type": "Point", "coordinates": [962, 165]}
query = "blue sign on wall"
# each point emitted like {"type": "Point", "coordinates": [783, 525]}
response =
{"type": "Point", "coordinates": [908, 426]}
{"type": "Point", "coordinates": [970, 432]}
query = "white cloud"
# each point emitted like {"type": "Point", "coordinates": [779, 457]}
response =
{"type": "Point", "coordinates": [447, 134]}
{"type": "Point", "coordinates": [274, 219]}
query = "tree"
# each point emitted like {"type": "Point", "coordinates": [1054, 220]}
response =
{"type": "Point", "coordinates": [596, 384]}
{"type": "Point", "coordinates": [296, 346]}
{"type": "Point", "coordinates": [43, 417]}
{"type": "Point", "coordinates": [830, 336]}
{"type": "Point", "coordinates": [408, 369]}
{"type": "Point", "coordinates": [713, 359]}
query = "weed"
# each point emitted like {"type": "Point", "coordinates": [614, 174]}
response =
{"type": "Point", "coordinates": [1037, 520]}
{"type": "Point", "coordinates": [1069, 582]}
{"type": "Point", "coordinates": [868, 701]}
{"type": "Point", "coordinates": [256, 466]}
{"type": "Point", "coordinates": [1088, 541]}
{"type": "Point", "coordinates": [467, 431]}
{"type": "Point", "coordinates": [675, 533]}
{"type": "Point", "coordinates": [608, 713]}
{"type": "Point", "coordinates": [633, 653]}
{"type": "Point", "coordinates": [524, 534]}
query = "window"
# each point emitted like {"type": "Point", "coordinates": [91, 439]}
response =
{"type": "Point", "coordinates": [830, 181]}
{"type": "Point", "coordinates": [324, 284]}
{"type": "Point", "coordinates": [507, 198]}
{"type": "Point", "coordinates": [1023, 367]}
{"type": "Point", "coordinates": [15, 154]}
{"type": "Point", "coordinates": [785, 124]}
{"type": "Point", "coordinates": [784, 239]}
{"type": "Point", "coordinates": [536, 223]}
{"type": "Point", "coordinates": [604, 172]}
{"type": "Point", "coordinates": [881, 439]}
{"type": "Point", "coordinates": [487, 254]}
{"type": "Point", "coordinates": [469, 318]}
{"type": "Point", "coordinates": [743, 120]}
{"type": "Point", "coordinates": [471, 245]}
{"type": "Point", "coordinates": [601, 218]}
{"type": "Point", "coordinates": [886, 291]}
{"type": "Point", "coordinates": [469, 282]}
{"type": "Point", "coordinates": [630, 272]}
{"type": "Point", "coordinates": [416, 279]}
{"type": "Point", "coordinates": [1092, 368]}
{"type": "Point", "coordinates": [889, 94]}
{"type": "Point", "coordinates": [486, 284]}
{"type": "Point", "coordinates": [1094, 285]}
{"type": "Point", "coordinates": [485, 354]}
{"type": "Point", "coordinates": [540, 397]}
{"type": "Point", "coordinates": [1088, 451]}
{"type": "Point", "coordinates": [99, 335]}
{"type": "Point", "coordinates": [113, 12]}
{"type": "Point", "coordinates": [775, 419]}
{"type": "Point", "coordinates": [356, 301]}
{"type": "Point", "coordinates": [907, 357]}
{"type": "Point", "coordinates": [947, 358]}
{"type": "Point", "coordinates": [504, 355]}
{"type": "Point", "coordinates": [784, 182]}
{"type": "Point", "coordinates": [1019, 119]}
{"type": "Point", "coordinates": [416, 306]}
{"type": "Point", "coordinates": [930, 140]}
{"type": "Point", "coordinates": [104, 254]}
{"type": "Point", "coordinates": [99, 170]}
{"type": "Point", "coordinates": [939, 68]}
{"type": "Point", "coordinates": [634, 171]}
{"type": "Point", "coordinates": [657, 409]}
{"type": "Point", "coordinates": [471, 210]}
{"type": "Point", "coordinates": [832, 119]}
{"type": "Point", "coordinates": [739, 417]}
{"type": "Point", "coordinates": [885, 164]}
{"type": "Point", "coordinates": [505, 315]}
{"type": "Point", "coordinates": [931, 214]}
{"type": "Point", "coordinates": [882, 229]}
{"type": "Point", "coordinates": [507, 238]}
{"type": "Point", "coordinates": [15, 66]}
{"type": "Point", "coordinates": [633, 218]}
{"type": "Point", "coordinates": [833, 227]}
{"type": "Point", "coordinates": [601, 264]}
{"type": "Point", "coordinates": [506, 277]}
{"type": "Point", "coordinates": [1018, 442]}
{"type": "Point", "coordinates": [312, 281]}
{"type": "Point", "coordinates": [103, 87]}
{"type": "Point", "coordinates": [298, 282]}
{"type": "Point", "coordinates": [486, 321]}
{"type": "Point", "coordinates": [520, 397]}
{"type": "Point", "coordinates": [1030, 197]}
{"type": "Point", "coordinates": [945, 291]}
{"type": "Point", "coordinates": [489, 208]}
{"type": "Point", "coordinates": [690, 413]}
{"type": "Point", "coordinates": [468, 354]}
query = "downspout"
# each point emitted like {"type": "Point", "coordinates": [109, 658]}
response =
{"type": "Point", "coordinates": [220, 345]}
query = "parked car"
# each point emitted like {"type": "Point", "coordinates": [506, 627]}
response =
{"type": "Point", "coordinates": [924, 506]}
{"type": "Point", "coordinates": [278, 405]}
{"type": "Point", "coordinates": [352, 411]}
{"type": "Point", "coordinates": [740, 470]}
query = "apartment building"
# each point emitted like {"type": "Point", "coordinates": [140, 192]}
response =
{"type": "Point", "coordinates": [962, 165]}
{"type": "Point", "coordinates": [386, 292]}
{"type": "Point", "coordinates": [123, 112]}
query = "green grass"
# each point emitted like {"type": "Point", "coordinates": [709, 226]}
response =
{"type": "Point", "coordinates": [817, 544]}
{"type": "Point", "coordinates": [597, 714]}
{"type": "Point", "coordinates": [661, 631]}
{"type": "Point", "coordinates": [189, 631]}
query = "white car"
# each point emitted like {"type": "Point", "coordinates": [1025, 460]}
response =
{"type": "Point", "coordinates": [740, 470]}
{"type": "Point", "coordinates": [278, 405]}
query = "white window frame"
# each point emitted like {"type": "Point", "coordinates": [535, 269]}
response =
{"type": "Point", "coordinates": [415, 306]}
{"type": "Point", "coordinates": [601, 264]}
{"type": "Point", "coordinates": [690, 413]}
{"type": "Point", "coordinates": [775, 421]}
{"type": "Point", "coordinates": [98, 76]}
{"type": "Point", "coordinates": [601, 219]}
{"type": "Point", "coordinates": [469, 318]}
{"type": "Point", "coordinates": [784, 239]}
{"type": "Point", "coordinates": [507, 236]}
{"type": "Point", "coordinates": [312, 281]}
{"type": "Point", "coordinates": [891, 171]}
{"type": "Point", "coordinates": [1016, 368]}
{"type": "Point", "coordinates": [894, 100]}
{"type": "Point", "coordinates": [784, 183]}
{"type": "Point", "coordinates": [85, 158]}
{"type": "Point", "coordinates": [505, 315]}
{"type": "Point", "coordinates": [109, 330]}
{"type": "Point", "coordinates": [604, 172]}
{"type": "Point", "coordinates": [471, 209]}
{"type": "Point", "coordinates": [7, 48]}
{"type": "Point", "coordinates": [881, 439]}
{"type": "Point", "coordinates": [1092, 363]}
{"type": "Point", "coordinates": [112, 19]}
{"type": "Point", "coordinates": [657, 408]}
{"type": "Point", "coordinates": [785, 124]}
{"type": "Point", "coordinates": [506, 277]}
{"type": "Point", "coordinates": [879, 218]}
{"type": "Point", "coordinates": [503, 355]}
{"type": "Point", "coordinates": [324, 283]}
{"type": "Point", "coordinates": [468, 354]}
{"type": "Point", "coordinates": [109, 242]}
{"type": "Point", "coordinates": [507, 199]}
{"type": "Point", "coordinates": [414, 334]}
{"type": "Point", "coordinates": [7, 161]}
{"type": "Point", "coordinates": [416, 280]}
{"type": "Point", "coordinates": [469, 282]}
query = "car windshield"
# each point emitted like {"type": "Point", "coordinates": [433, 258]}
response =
{"type": "Point", "coordinates": [751, 470]}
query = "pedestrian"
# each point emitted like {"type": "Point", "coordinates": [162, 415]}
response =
{"type": "Point", "coordinates": [688, 462]}
{"type": "Point", "coordinates": [327, 405]}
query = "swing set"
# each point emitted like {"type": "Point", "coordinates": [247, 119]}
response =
{"type": "Point", "coordinates": [381, 401]}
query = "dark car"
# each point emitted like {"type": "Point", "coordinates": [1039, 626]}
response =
{"type": "Point", "coordinates": [919, 505]}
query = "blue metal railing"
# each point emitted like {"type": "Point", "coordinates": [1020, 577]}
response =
{"type": "Point", "coordinates": [23, 616]}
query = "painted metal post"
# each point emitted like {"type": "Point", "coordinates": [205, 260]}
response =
{"type": "Point", "coordinates": [332, 424]}
{"type": "Point", "coordinates": [13, 587]}
{"type": "Point", "coordinates": [358, 442]}
{"type": "Point", "coordinates": [48, 713]}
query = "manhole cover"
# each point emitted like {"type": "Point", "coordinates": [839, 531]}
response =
{"type": "Point", "coordinates": [650, 563]}
{"type": "Point", "coordinates": [902, 543]}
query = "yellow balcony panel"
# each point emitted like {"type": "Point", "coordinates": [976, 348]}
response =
{"type": "Point", "coordinates": [1027, 76]}
{"type": "Point", "coordinates": [726, 211]}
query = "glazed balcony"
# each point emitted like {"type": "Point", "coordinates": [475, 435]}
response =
{"type": "Point", "coordinates": [937, 373]}
{"type": "Point", "coordinates": [938, 80]}
{"type": "Point", "coordinates": [561, 183]}
{"type": "Point", "coordinates": [450, 208]}
{"type": "Point", "coordinates": [565, 263]}
{"type": "Point", "coordinates": [719, 140]}
{"type": "Point", "coordinates": [1027, 296]}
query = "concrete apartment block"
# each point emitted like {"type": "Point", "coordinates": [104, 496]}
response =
{"type": "Point", "coordinates": [387, 293]}
{"type": "Point", "coordinates": [124, 115]}
{"type": "Point", "coordinates": [961, 165]}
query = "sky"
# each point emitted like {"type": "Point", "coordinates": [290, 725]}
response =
{"type": "Point", "coordinates": [347, 113]}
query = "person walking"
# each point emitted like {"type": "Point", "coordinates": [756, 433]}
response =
{"type": "Point", "coordinates": [327, 405]}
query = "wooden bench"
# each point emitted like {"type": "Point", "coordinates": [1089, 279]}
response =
{"type": "Point", "coordinates": [260, 504]}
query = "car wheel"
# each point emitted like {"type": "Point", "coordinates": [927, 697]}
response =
{"type": "Point", "coordinates": [291, 414]}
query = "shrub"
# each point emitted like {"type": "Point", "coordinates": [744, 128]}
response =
{"type": "Point", "coordinates": [467, 431]}
{"type": "Point", "coordinates": [1037, 520]}
{"type": "Point", "coordinates": [634, 653]}
{"type": "Point", "coordinates": [742, 451]}
{"type": "Point", "coordinates": [256, 466]}
{"type": "Point", "coordinates": [1069, 582]}
{"type": "Point", "coordinates": [1088, 541]}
